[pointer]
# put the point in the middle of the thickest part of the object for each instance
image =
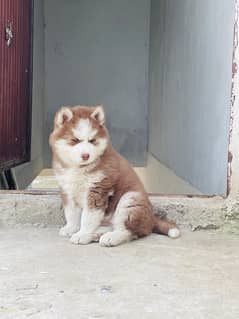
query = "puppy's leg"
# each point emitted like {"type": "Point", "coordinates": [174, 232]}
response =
{"type": "Point", "coordinates": [73, 220]}
{"type": "Point", "coordinates": [92, 216]}
{"type": "Point", "coordinates": [90, 221]}
{"type": "Point", "coordinates": [128, 205]}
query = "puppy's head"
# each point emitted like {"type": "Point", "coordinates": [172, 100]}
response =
{"type": "Point", "coordinates": [79, 137]}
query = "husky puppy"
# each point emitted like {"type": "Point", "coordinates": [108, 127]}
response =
{"type": "Point", "coordinates": [103, 198]}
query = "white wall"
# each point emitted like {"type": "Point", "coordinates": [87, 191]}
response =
{"type": "Point", "coordinates": [190, 83]}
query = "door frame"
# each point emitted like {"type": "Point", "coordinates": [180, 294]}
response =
{"type": "Point", "coordinates": [234, 96]}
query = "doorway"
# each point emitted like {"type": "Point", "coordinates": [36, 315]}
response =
{"type": "Point", "coordinates": [161, 68]}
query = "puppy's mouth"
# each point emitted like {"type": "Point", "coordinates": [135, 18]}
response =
{"type": "Point", "coordinates": [89, 162]}
{"type": "Point", "coordinates": [85, 164]}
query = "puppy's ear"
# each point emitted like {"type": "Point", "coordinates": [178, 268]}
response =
{"type": "Point", "coordinates": [62, 116]}
{"type": "Point", "coordinates": [99, 114]}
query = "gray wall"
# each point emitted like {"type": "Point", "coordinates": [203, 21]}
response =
{"type": "Point", "coordinates": [190, 82]}
{"type": "Point", "coordinates": [97, 52]}
{"type": "Point", "coordinates": [25, 173]}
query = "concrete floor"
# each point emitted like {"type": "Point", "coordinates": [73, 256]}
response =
{"type": "Point", "coordinates": [44, 276]}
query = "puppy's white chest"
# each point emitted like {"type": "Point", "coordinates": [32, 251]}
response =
{"type": "Point", "coordinates": [76, 183]}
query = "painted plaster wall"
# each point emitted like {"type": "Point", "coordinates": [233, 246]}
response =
{"type": "Point", "coordinates": [97, 52]}
{"type": "Point", "coordinates": [190, 83]}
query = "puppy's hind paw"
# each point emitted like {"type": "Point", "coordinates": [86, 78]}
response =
{"type": "Point", "coordinates": [115, 238]}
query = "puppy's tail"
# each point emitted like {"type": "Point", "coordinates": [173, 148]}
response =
{"type": "Point", "coordinates": [165, 227]}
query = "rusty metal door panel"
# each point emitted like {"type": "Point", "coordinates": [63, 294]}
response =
{"type": "Point", "coordinates": [15, 82]}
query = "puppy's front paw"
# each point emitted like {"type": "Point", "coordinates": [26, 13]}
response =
{"type": "Point", "coordinates": [68, 231]}
{"type": "Point", "coordinates": [81, 238]}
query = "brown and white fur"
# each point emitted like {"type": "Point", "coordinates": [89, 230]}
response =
{"type": "Point", "coordinates": [103, 198]}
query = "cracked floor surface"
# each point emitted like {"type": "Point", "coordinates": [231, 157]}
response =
{"type": "Point", "coordinates": [44, 276]}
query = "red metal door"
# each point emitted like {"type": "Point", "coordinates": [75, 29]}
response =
{"type": "Point", "coordinates": [15, 82]}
